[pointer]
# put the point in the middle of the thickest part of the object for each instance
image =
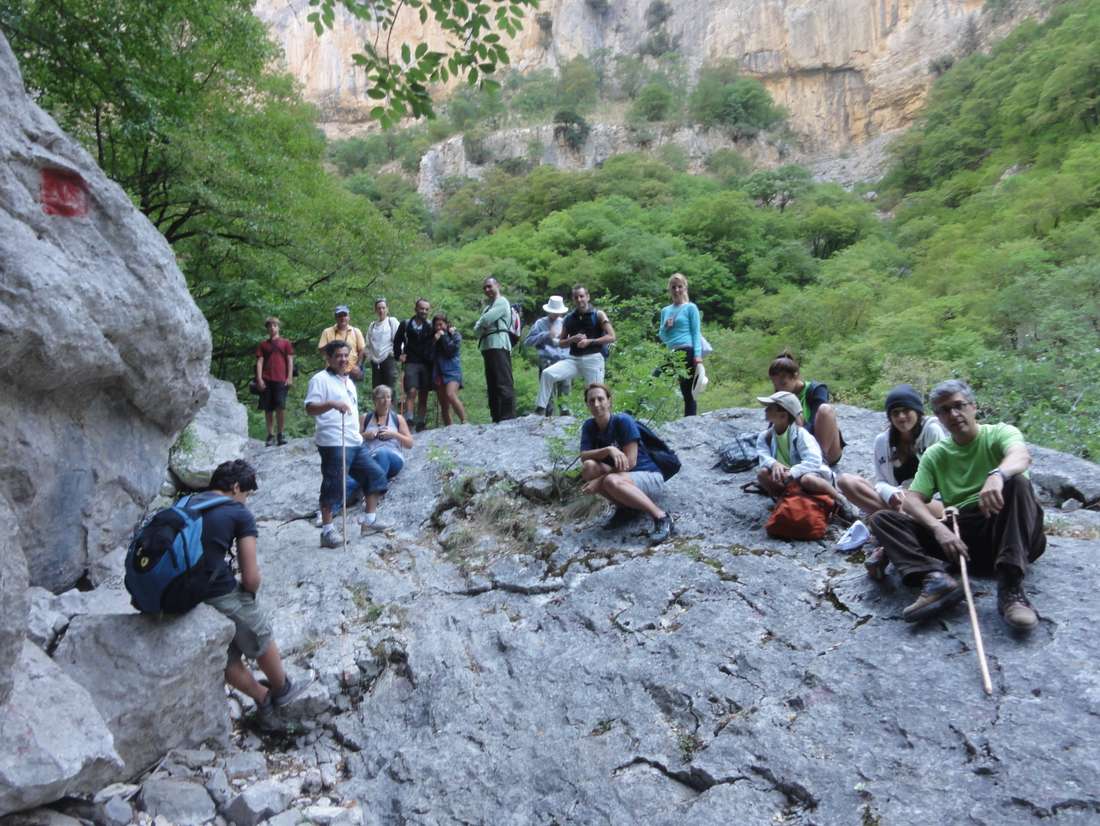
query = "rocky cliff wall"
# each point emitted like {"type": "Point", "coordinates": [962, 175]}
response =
{"type": "Point", "coordinates": [846, 70]}
{"type": "Point", "coordinates": [103, 355]}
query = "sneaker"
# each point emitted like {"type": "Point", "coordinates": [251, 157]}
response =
{"type": "Point", "coordinates": [564, 411]}
{"type": "Point", "coordinates": [662, 529]}
{"type": "Point", "coordinates": [282, 440]}
{"type": "Point", "coordinates": [1014, 607]}
{"type": "Point", "coordinates": [377, 526]}
{"type": "Point", "coordinates": [270, 440]}
{"type": "Point", "coordinates": [266, 719]}
{"type": "Point", "coordinates": [939, 591]}
{"type": "Point", "coordinates": [853, 538]}
{"type": "Point", "coordinates": [875, 563]}
{"type": "Point", "coordinates": [292, 690]}
{"type": "Point", "coordinates": [620, 518]}
{"type": "Point", "coordinates": [331, 539]}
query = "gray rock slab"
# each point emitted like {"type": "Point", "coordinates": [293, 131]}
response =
{"type": "Point", "coordinates": [158, 682]}
{"type": "Point", "coordinates": [180, 801]}
{"type": "Point", "coordinates": [13, 599]}
{"type": "Point", "coordinates": [259, 802]}
{"type": "Point", "coordinates": [245, 764]}
{"type": "Point", "coordinates": [95, 289]}
{"type": "Point", "coordinates": [55, 741]}
{"type": "Point", "coordinates": [219, 433]}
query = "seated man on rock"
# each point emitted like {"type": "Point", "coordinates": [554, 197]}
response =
{"type": "Point", "coordinates": [222, 526]}
{"type": "Point", "coordinates": [982, 471]}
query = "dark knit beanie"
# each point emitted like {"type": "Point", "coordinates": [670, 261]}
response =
{"type": "Point", "coordinates": [904, 396]}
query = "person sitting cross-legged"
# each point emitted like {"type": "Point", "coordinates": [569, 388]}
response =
{"type": "Point", "coordinates": [616, 465]}
{"type": "Point", "coordinates": [982, 471]}
{"type": "Point", "coordinates": [788, 451]}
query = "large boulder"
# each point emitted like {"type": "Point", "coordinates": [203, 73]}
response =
{"type": "Point", "coordinates": [13, 602]}
{"type": "Point", "coordinates": [158, 683]}
{"type": "Point", "coordinates": [103, 355]}
{"type": "Point", "coordinates": [218, 434]}
{"type": "Point", "coordinates": [55, 743]}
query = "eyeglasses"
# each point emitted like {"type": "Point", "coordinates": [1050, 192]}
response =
{"type": "Point", "coordinates": [951, 408]}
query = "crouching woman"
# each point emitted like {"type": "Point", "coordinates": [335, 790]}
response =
{"type": "Point", "coordinates": [789, 452]}
{"type": "Point", "coordinates": [616, 465]}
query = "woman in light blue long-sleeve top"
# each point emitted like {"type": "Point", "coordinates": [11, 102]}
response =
{"type": "Point", "coordinates": [681, 329]}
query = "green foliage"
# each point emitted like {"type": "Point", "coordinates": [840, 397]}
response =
{"type": "Point", "coordinates": [578, 83]}
{"type": "Point", "coordinates": [655, 102]}
{"type": "Point", "coordinates": [400, 80]}
{"type": "Point", "coordinates": [571, 129]}
{"type": "Point", "coordinates": [721, 98]}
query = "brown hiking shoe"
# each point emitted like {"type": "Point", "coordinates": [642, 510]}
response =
{"type": "Point", "coordinates": [1014, 607]}
{"type": "Point", "coordinates": [938, 592]}
{"type": "Point", "coordinates": [875, 563]}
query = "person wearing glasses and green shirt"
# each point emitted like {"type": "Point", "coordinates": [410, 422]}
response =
{"type": "Point", "coordinates": [981, 470]}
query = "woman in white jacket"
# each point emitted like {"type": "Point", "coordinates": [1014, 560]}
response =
{"type": "Point", "coordinates": [897, 454]}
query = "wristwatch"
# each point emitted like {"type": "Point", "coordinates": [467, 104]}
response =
{"type": "Point", "coordinates": [999, 472]}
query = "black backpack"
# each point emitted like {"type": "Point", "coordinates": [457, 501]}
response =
{"type": "Point", "coordinates": [663, 456]}
{"type": "Point", "coordinates": [739, 455]}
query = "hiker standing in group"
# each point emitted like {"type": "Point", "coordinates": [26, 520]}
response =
{"type": "Point", "coordinates": [413, 347]}
{"type": "Point", "coordinates": [222, 526]}
{"type": "Point", "coordinates": [788, 452]}
{"type": "Point", "coordinates": [898, 450]}
{"type": "Point", "coordinates": [334, 403]}
{"type": "Point", "coordinates": [495, 344]}
{"type": "Point", "coordinates": [817, 416]}
{"type": "Point", "coordinates": [982, 471]}
{"type": "Point", "coordinates": [616, 465]}
{"type": "Point", "coordinates": [586, 331]}
{"type": "Point", "coordinates": [351, 336]}
{"type": "Point", "coordinates": [380, 346]}
{"type": "Point", "coordinates": [447, 368]}
{"type": "Point", "coordinates": [544, 336]}
{"type": "Point", "coordinates": [681, 330]}
{"type": "Point", "coordinates": [274, 375]}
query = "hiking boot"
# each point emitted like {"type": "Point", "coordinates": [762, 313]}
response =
{"type": "Point", "coordinates": [266, 718]}
{"type": "Point", "coordinates": [875, 563]}
{"type": "Point", "coordinates": [939, 591]}
{"type": "Point", "coordinates": [1014, 607]}
{"type": "Point", "coordinates": [282, 440]}
{"type": "Point", "coordinates": [331, 539]}
{"type": "Point", "coordinates": [620, 518]}
{"type": "Point", "coordinates": [292, 690]}
{"type": "Point", "coordinates": [270, 440]}
{"type": "Point", "coordinates": [662, 529]}
{"type": "Point", "coordinates": [377, 526]}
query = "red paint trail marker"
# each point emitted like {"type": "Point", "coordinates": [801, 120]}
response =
{"type": "Point", "coordinates": [64, 193]}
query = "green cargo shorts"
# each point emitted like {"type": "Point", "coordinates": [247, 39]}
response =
{"type": "Point", "coordinates": [252, 621]}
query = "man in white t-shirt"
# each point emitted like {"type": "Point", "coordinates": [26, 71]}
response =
{"type": "Point", "coordinates": [333, 402]}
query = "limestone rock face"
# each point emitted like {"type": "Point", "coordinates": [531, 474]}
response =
{"type": "Point", "coordinates": [218, 434]}
{"type": "Point", "coordinates": [846, 70]}
{"type": "Point", "coordinates": [13, 601]}
{"type": "Point", "coordinates": [103, 354]}
{"type": "Point", "coordinates": [158, 683]}
{"type": "Point", "coordinates": [54, 740]}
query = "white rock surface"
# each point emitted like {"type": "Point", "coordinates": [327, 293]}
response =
{"type": "Point", "coordinates": [218, 434]}
{"type": "Point", "coordinates": [55, 742]}
{"type": "Point", "coordinates": [182, 802]}
{"type": "Point", "coordinates": [159, 684]}
{"type": "Point", "coordinates": [104, 357]}
{"type": "Point", "coordinates": [13, 602]}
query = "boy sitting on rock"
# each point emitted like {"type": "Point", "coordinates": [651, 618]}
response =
{"type": "Point", "coordinates": [222, 525]}
{"type": "Point", "coordinates": [788, 451]}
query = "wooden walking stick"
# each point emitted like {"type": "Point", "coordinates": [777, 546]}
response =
{"type": "Point", "coordinates": [344, 482]}
{"type": "Point", "coordinates": [979, 649]}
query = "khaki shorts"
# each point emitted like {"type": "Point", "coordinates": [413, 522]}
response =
{"type": "Point", "coordinates": [253, 624]}
{"type": "Point", "coordinates": [649, 482]}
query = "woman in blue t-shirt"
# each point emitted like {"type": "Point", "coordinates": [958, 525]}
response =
{"type": "Point", "coordinates": [616, 465]}
{"type": "Point", "coordinates": [681, 331]}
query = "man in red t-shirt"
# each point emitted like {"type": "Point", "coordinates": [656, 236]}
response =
{"type": "Point", "coordinates": [274, 374]}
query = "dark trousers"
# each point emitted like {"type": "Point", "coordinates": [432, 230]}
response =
{"type": "Point", "coordinates": [1004, 543]}
{"type": "Point", "coordinates": [687, 385]}
{"type": "Point", "coordinates": [498, 383]}
{"type": "Point", "coordinates": [385, 372]}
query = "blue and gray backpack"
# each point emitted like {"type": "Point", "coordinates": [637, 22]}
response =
{"type": "Point", "coordinates": [163, 571]}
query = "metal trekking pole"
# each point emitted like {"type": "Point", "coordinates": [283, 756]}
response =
{"type": "Point", "coordinates": [344, 481]}
{"type": "Point", "coordinates": [979, 649]}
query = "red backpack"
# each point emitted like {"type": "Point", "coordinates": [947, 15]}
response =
{"type": "Point", "coordinates": [800, 515]}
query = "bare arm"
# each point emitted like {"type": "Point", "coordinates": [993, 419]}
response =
{"type": "Point", "coordinates": [624, 459]}
{"type": "Point", "coordinates": [289, 370]}
{"type": "Point", "coordinates": [250, 568]}
{"type": "Point", "coordinates": [260, 371]}
{"type": "Point", "coordinates": [915, 504]}
{"type": "Point", "coordinates": [991, 498]}
{"type": "Point", "coordinates": [317, 408]}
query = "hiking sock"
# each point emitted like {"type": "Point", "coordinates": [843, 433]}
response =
{"type": "Point", "coordinates": [327, 529]}
{"type": "Point", "coordinates": [370, 518]}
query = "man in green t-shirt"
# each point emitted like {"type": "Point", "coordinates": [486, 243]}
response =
{"type": "Point", "coordinates": [982, 471]}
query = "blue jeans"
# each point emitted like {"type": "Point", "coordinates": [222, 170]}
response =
{"type": "Point", "coordinates": [368, 474]}
{"type": "Point", "coordinates": [391, 463]}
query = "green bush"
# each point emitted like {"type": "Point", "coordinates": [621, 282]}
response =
{"type": "Point", "coordinates": [740, 105]}
{"type": "Point", "coordinates": [655, 102]}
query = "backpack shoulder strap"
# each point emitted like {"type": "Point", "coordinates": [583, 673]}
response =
{"type": "Point", "coordinates": [207, 504]}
